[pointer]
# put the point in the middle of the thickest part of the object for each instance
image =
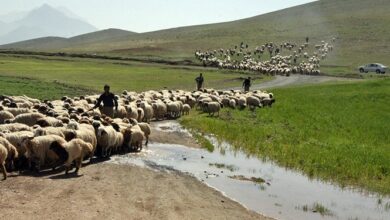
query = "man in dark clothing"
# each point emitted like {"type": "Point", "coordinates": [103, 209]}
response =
{"type": "Point", "coordinates": [109, 101]}
{"type": "Point", "coordinates": [199, 81]}
{"type": "Point", "coordinates": [307, 39]}
{"type": "Point", "coordinates": [247, 84]}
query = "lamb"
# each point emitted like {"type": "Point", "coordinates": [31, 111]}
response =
{"type": "Point", "coordinates": [212, 107]}
{"type": "Point", "coordinates": [38, 150]}
{"type": "Point", "coordinates": [28, 118]}
{"type": "Point", "coordinates": [3, 157]}
{"type": "Point", "coordinates": [186, 109]}
{"type": "Point", "coordinates": [5, 115]}
{"type": "Point", "coordinates": [74, 150]}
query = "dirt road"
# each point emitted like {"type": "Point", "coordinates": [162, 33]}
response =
{"type": "Point", "coordinates": [281, 81]}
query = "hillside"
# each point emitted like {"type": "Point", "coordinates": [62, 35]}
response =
{"type": "Point", "coordinates": [361, 28]}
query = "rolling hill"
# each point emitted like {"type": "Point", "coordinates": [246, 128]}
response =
{"type": "Point", "coordinates": [361, 28]}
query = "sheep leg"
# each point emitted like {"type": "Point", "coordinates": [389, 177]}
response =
{"type": "Point", "coordinates": [147, 141]}
{"type": "Point", "coordinates": [2, 168]}
{"type": "Point", "coordinates": [78, 164]}
{"type": "Point", "coordinates": [67, 169]}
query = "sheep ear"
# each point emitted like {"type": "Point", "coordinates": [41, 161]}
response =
{"type": "Point", "coordinates": [30, 138]}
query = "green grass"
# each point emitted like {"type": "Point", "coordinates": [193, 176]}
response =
{"type": "Point", "coordinates": [37, 89]}
{"type": "Point", "coordinates": [93, 74]}
{"type": "Point", "coordinates": [337, 132]}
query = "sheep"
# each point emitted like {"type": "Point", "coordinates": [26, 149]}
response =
{"type": "Point", "coordinates": [131, 112]}
{"type": "Point", "coordinates": [5, 115]}
{"type": "Point", "coordinates": [148, 110]}
{"type": "Point", "coordinates": [186, 109]}
{"type": "Point", "coordinates": [86, 132]}
{"type": "Point", "coordinates": [121, 112]}
{"type": "Point", "coordinates": [144, 127]}
{"type": "Point", "coordinates": [49, 122]}
{"type": "Point", "coordinates": [232, 103]}
{"type": "Point", "coordinates": [28, 118]}
{"type": "Point", "coordinates": [160, 110]}
{"type": "Point", "coordinates": [241, 102]}
{"type": "Point", "coordinates": [37, 150]}
{"type": "Point", "coordinates": [39, 131]}
{"type": "Point", "coordinates": [173, 109]}
{"type": "Point", "coordinates": [141, 114]}
{"type": "Point", "coordinates": [3, 157]}
{"type": "Point", "coordinates": [253, 102]}
{"type": "Point", "coordinates": [74, 150]}
{"type": "Point", "coordinates": [108, 139]}
{"type": "Point", "coordinates": [12, 152]}
{"type": "Point", "coordinates": [212, 107]}
{"type": "Point", "coordinates": [133, 138]}
{"type": "Point", "coordinates": [18, 111]}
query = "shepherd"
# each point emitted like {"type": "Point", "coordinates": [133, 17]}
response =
{"type": "Point", "coordinates": [247, 84]}
{"type": "Point", "coordinates": [109, 102]}
{"type": "Point", "coordinates": [199, 81]}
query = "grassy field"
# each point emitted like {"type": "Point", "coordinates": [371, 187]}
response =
{"type": "Point", "coordinates": [361, 28]}
{"type": "Point", "coordinates": [53, 78]}
{"type": "Point", "coordinates": [337, 132]}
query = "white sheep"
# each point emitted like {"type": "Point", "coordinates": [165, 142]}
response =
{"type": "Point", "coordinates": [108, 139]}
{"type": "Point", "coordinates": [186, 109]}
{"type": "Point", "coordinates": [212, 108]}
{"type": "Point", "coordinates": [12, 152]}
{"type": "Point", "coordinates": [3, 158]}
{"type": "Point", "coordinates": [253, 102]}
{"type": "Point", "coordinates": [148, 111]}
{"type": "Point", "coordinates": [29, 119]}
{"type": "Point", "coordinates": [5, 115]}
{"type": "Point", "coordinates": [74, 150]}
{"type": "Point", "coordinates": [14, 127]}
{"type": "Point", "coordinates": [160, 110]}
{"type": "Point", "coordinates": [133, 138]}
{"type": "Point", "coordinates": [37, 150]}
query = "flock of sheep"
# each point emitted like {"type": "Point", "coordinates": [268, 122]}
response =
{"type": "Point", "coordinates": [49, 134]}
{"type": "Point", "coordinates": [296, 59]}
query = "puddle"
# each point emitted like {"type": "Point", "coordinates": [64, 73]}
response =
{"type": "Point", "coordinates": [259, 185]}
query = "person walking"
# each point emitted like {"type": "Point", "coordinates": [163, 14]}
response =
{"type": "Point", "coordinates": [199, 81]}
{"type": "Point", "coordinates": [109, 102]}
{"type": "Point", "coordinates": [247, 84]}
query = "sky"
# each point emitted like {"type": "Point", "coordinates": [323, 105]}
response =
{"type": "Point", "coordinates": [150, 15]}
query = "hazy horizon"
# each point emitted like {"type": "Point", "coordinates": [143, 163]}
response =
{"type": "Point", "coordinates": [152, 15]}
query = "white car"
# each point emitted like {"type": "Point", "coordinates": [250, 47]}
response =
{"type": "Point", "coordinates": [373, 67]}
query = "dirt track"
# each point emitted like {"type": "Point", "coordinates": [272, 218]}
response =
{"type": "Point", "coordinates": [281, 81]}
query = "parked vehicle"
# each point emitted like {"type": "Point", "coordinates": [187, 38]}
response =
{"type": "Point", "coordinates": [373, 67]}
